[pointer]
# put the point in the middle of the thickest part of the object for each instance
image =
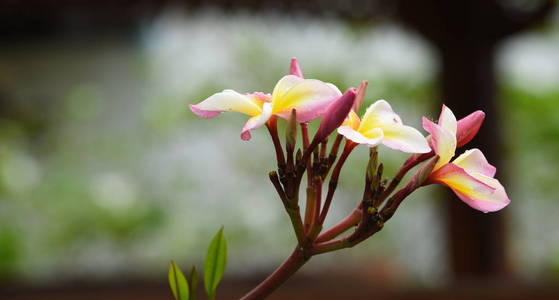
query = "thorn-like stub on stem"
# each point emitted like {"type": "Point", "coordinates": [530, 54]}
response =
{"type": "Point", "coordinates": [371, 210]}
{"type": "Point", "coordinates": [273, 174]}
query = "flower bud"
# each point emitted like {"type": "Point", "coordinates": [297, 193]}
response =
{"type": "Point", "coordinates": [423, 173]}
{"type": "Point", "coordinates": [291, 131]}
{"type": "Point", "coordinates": [335, 114]}
{"type": "Point", "coordinates": [373, 164]}
{"type": "Point", "coordinates": [468, 127]}
{"type": "Point", "coordinates": [360, 95]}
{"type": "Point", "coordinates": [294, 69]}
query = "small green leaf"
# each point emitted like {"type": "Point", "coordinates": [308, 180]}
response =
{"type": "Point", "coordinates": [216, 259]}
{"type": "Point", "coordinates": [178, 282]}
{"type": "Point", "coordinates": [193, 279]}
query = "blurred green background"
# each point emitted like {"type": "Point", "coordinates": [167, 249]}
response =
{"type": "Point", "coordinates": [105, 174]}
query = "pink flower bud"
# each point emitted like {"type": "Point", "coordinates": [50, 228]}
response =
{"type": "Point", "coordinates": [335, 114]}
{"type": "Point", "coordinates": [468, 127]}
{"type": "Point", "coordinates": [360, 95]}
{"type": "Point", "coordinates": [294, 69]}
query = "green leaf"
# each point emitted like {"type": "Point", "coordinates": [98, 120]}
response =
{"type": "Point", "coordinates": [193, 278]}
{"type": "Point", "coordinates": [216, 259]}
{"type": "Point", "coordinates": [178, 282]}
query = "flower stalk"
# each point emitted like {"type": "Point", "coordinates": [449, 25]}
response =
{"type": "Point", "coordinates": [299, 101]}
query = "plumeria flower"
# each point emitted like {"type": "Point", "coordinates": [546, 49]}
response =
{"type": "Point", "coordinates": [310, 98]}
{"type": "Point", "coordinates": [381, 124]}
{"type": "Point", "coordinates": [469, 176]}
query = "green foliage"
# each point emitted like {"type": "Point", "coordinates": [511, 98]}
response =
{"type": "Point", "coordinates": [193, 278]}
{"type": "Point", "coordinates": [178, 283]}
{"type": "Point", "coordinates": [216, 259]}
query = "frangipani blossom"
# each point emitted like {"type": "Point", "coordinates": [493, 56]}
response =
{"type": "Point", "coordinates": [380, 124]}
{"type": "Point", "coordinates": [469, 176]}
{"type": "Point", "coordinates": [310, 97]}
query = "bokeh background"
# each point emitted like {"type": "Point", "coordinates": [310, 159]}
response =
{"type": "Point", "coordinates": [105, 175]}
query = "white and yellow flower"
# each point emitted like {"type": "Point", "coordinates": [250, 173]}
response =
{"type": "Point", "coordinates": [380, 124]}
{"type": "Point", "coordinates": [310, 97]}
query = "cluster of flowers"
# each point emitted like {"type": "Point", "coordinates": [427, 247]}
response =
{"type": "Point", "coordinates": [469, 175]}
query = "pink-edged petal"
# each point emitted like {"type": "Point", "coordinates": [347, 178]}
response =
{"type": "Point", "coordinates": [294, 68]}
{"type": "Point", "coordinates": [468, 127]}
{"type": "Point", "coordinates": [256, 121]}
{"type": "Point", "coordinates": [309, 97]}
{"type": "Point", "coordinates": [404, 138]}
{"type": "Point", "coordinates": [373, 140]}
{"type": "Point", "coordinates": [447, 120]}
{"type": "Point", "coordinates": [443, 142]}
{"type": "Point", "coordinates": [378, 115]}
{"type": "Point", "coordinates": [260, 97]}
{"type": "Point", "coordinates": [479, 194]}
{"type": "Point", "coordinates": [228, 100]}
{"type": "Point", "coordinates": [283, 86]}
{"type": "Point", "coordinates": [473, 161]}
{"type": "Point", "coordinates": [494, 202]}
{"type": "Point", "coordinates": [207, 114]}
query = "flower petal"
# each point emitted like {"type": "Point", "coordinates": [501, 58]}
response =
{"type": "Point", "coordinates": [494, 202]}
{"type": "Point", "coordinates": [443, 142]}
{"type": "Point", "coordinates": [478, 191]}
{"type": "Point", "coordinates": [256, 121]}
{"type": "Point", "coordinates": [352, 120]}
{"type": "Point", "coordinates": [378, 115]}
{"type": "Point", "coordinates": [310, 97]}
{"type": "Point", "coordinates": [447, 120]}
{"type": "Point", "coordinates": [468, 127]}
{"type": "Point", "coordinates": [404, 138]}
{"type": "Point", "coordinates": [283, 86]}
{"type": "Point", "coordinates": [356, 137]}
{"type": "Point", "coordinates": [228, 100]}
{"type": "Point", "coordinates": [473, 161]}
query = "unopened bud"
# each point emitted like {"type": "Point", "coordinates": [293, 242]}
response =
{"type": "Point", "coordinates": [360, 95]}
{"type": "Point", "coordinates": [291, 132]}
{"type": "Point", "coordinates": [468, 127]}
{"type": "Point", "coordinates": [373, 163]}
{"type": "Point", "coordinates": [423, 173]}
{"type": "Point", "coordinates": [335, 114]}
{"type": "Point", "coordinates": [294, 69]}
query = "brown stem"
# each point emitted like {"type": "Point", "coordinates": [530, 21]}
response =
{"type": "Point", "coordinates": [347, 242]}
{"type": "Point", "coordinates": [305, 134]}
{"type": "Point", "coordinates": [293, 263]}
{"type": "Point", "coordinates": [334, 180]}
{"type": "Point", "coordinates": [350, 221]}
{"type": "Point", "coordinates": [272, 126]}
{"type": "Point", "coordinates": [309, 208]}
{"type": "Point", "coordinates": [408, 165]}
{"type": "Point", "coordinates": [367, 227]}
{"type": "Point", "coordinates": [297, 222]}
{"type": "Point", "coordinates": [291, 207]}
